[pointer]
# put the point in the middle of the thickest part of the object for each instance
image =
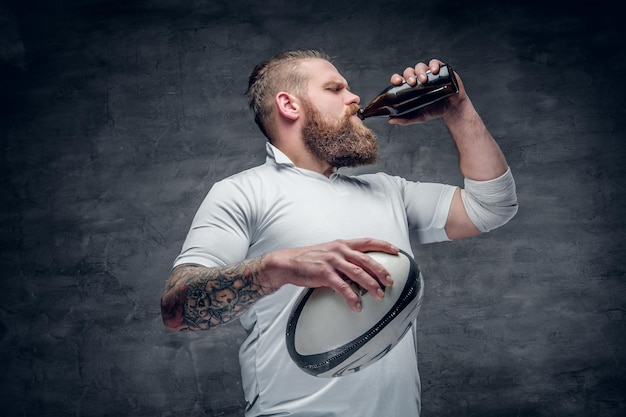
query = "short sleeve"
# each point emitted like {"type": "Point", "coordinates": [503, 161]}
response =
{"type": "Point", "coordinates": [219, 234]}
{"type": "Point", "coordinates": [427, 207]}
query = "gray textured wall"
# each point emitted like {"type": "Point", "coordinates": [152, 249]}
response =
{"type": "Point", "coordinates": [117, 116]}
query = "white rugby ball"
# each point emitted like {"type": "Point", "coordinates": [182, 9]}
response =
{"type": "Point", "coordinates": [326, 338]}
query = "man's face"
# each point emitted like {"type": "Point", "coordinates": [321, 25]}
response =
{"type": "Point", "coordinates": [332, 132]}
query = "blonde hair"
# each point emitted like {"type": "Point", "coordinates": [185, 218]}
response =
{"type": "Point", "coordinates": [280, 73]}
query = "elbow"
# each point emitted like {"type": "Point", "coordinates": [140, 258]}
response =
{"type": "Point", "coordinates": [505, 215]}
{"type": "Point", "coordinates": [172, 308]}
{"type": "Point", "coordinates": [490, 204]}
{"type": "Point", "coordinates": [511, 211]}
{"type": "Point", "coordinates": [487, 219]}
{"type": "Point", "coordinates": [178, 316]}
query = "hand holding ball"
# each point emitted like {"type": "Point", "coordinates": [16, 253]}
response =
{"type": "Point", "coordinates": [327, 339]}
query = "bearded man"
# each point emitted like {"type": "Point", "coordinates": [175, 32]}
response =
{"type": "Point", "coordinates": [296, 221]}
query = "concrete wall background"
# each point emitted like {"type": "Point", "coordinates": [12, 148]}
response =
{"type": "Point", "coordinates": [116, 118]}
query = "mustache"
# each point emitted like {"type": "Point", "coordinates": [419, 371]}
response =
{"type": "Point", "coordinates": [352, 110]}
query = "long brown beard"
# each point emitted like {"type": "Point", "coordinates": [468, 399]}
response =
{"type": "Point", "coordinates": [347, 143]}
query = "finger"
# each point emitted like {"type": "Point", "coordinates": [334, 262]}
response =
{"type": "Point", "coordinates": [346, 290]}
{"type": "Point", "coordinates": [399, 121]}
{"type": "Point", "coordinates": [360, 267]}
{"type": "Point", "coordinates": [396, 79]}
{"type": "Point", "coordinates": [373, 269]}
{"type": "Point", "coordinates": [434, 65]}
{"type": "Point", "coordinates": [412, 74]}
{"type": "Point", "coordinates": [323, 272]}
{"type": "Point", "coordinates": [403, 121]}
{"type": "Point", "coordinates": [409, 75]}
{"type": "Point", "coordinates": [358, 274]}
{"type": "Point", "coordinates": [423, 76]}
{"type": "Point", "coordinates": [359, 257]}
{"type": "Point", "coordinates": [370, 245]}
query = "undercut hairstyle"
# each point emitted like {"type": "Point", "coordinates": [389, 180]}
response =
{"type": "Point", "coordinates": [280, 73]}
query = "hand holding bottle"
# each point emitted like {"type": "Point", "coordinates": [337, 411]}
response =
{"type": "Point", "coordinates": [425, 74]}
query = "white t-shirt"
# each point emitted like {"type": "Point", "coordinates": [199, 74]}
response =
{"type": "Point", "coordinates": [277, 205]}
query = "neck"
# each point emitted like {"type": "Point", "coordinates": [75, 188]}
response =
{"type": "Point", "coordinates": [302, 158]}
{"type": "Point", "coordinates": [305, 160]}
{"type": "Point", "coordinates": [290, 142]}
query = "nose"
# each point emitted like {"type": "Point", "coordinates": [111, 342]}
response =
{"type": "Point", "coordinates": [352, 98]}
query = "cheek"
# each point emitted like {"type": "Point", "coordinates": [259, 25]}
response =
{"type": "Point", "coordinates": [330, 111]}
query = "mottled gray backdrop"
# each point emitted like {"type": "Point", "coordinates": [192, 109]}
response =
{"type": "Point", "coordinates": [117, 116]}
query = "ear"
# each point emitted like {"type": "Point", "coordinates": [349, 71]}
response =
{"type": "Point", "coordinates": [288, 105]}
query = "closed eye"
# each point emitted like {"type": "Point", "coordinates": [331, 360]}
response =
{"type": "Point", "coordinates": [336, 87]}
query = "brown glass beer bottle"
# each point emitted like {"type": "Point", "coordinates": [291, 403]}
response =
{"type": "Point", "coordinates": [403, 100]}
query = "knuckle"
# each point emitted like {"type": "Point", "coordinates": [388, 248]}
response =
{"type": "Point", "coordinates": [330, 259]}
{"type": "Point", "coordinates": [342, 286]}
{"type": "Point", "coordinates": [346, 291]}
{"type": "Point", "coordinates": [355, 270]}
{"type": "Point", "coordinates": [324, 270]}
{"type": "Point", "coordinates": [365, 259]}
{"type": "Point", "coordinates": [339, 244]}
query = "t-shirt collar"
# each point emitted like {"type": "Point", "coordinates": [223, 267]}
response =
{"type": "Point", "coordinates": [279, 158]}
{"type": "Point", "coordinates": [277, 155]}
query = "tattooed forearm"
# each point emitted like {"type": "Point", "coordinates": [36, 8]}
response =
{"type": "Point", "coordinates": [199, 298]}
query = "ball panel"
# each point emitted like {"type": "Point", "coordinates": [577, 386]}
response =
{"type": "Point", "coordinates": [325, 358]}
{"type": "Point", "coordinates": [330, 323]}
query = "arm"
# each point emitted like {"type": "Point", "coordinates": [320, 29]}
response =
{"type": "Point", "coordinates": [199, 298]}
{"type": "Point", "coordinates": [480, 157]}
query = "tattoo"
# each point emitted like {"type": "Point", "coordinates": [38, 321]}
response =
{"type": "Point", "coordinates": [199, 298]}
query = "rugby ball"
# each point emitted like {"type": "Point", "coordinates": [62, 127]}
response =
{"type": "Point", "coordinates": [325, 338]}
